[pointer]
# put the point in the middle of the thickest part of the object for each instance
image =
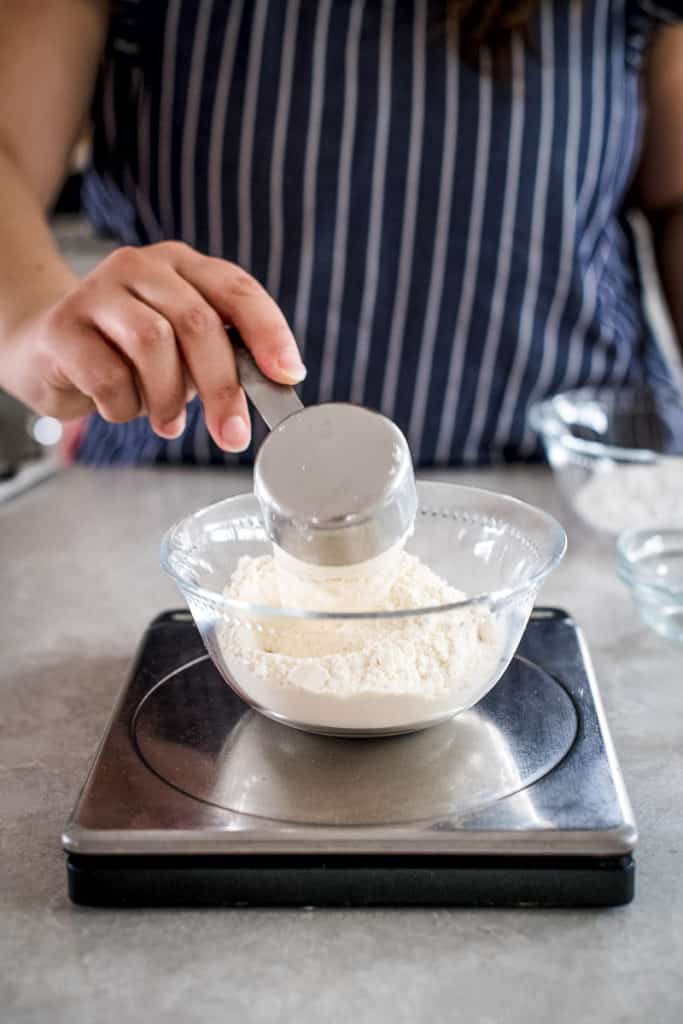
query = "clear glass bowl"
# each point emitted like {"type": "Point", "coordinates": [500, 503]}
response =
{"type": "Point", "coordinates": [444, 658]}
{"type": "Point", "coordinates": [650, 562]}
{"type": "Point", "coordinates": [617, 454]}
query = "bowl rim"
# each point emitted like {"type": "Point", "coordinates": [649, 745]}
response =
{"type": "Point", "coordinates": [493, 600]}
{"type": "Point", "coordinates": [543, 418]}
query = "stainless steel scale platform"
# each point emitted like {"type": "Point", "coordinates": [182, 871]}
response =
{"type": "Point", "coordinates": [196, 800]}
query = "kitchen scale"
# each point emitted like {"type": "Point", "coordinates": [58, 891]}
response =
{"type": "Point", "coordinates": [194, 799]}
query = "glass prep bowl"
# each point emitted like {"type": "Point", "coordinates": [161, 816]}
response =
{"type": "Point", "coordinates": [650, 563]}
{"type": "Point", "coordinates": [494, 548]}
{"type": "Point", "coordinates": [617, 454]}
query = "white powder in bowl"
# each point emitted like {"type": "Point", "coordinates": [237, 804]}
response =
{"type": "Point", "coordinates": [618, 497]}
{"type": "Point", "coordinates": [370, 674]}
{"type": "Point", "coordinates": [337, 588]}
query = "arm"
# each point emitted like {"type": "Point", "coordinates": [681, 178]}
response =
{"type": "Point", "coordinates": [659, 186]}
{"type": "Point", "coordinates": [145, 330]}
{"type": "Point", "coordinates": [49, 53]}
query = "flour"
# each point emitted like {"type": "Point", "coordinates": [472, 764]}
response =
{"type": "Point", "coordinates": [623, 497]}
{"type": "Point", "coordinates": [361, 674]}
{"type": "Point", "coordinates": [338, 588]}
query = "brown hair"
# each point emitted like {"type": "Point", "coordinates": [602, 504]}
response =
{"type": "Point", "coordinates": [490, 22]}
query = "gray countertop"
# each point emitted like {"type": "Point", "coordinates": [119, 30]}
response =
{"type": "Point", "coordinates": [79, 559]}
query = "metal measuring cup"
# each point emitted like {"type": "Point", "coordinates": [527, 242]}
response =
{"type": "Point", "coordinates": [335, 481]}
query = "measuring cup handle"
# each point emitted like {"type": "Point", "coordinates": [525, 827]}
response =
{"type": "Point", "coordinates": [275, 402]}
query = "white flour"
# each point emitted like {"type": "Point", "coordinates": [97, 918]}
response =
{"type": "Point", "coordinates": [624, 497]}
{"type": "Point", "coordinates": [341, 588]}
{"type": "Point", "coordinates": [370, 674]}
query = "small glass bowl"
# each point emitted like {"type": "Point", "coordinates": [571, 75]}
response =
{"type": "Point", "coordinates": [617, 454]}
{"type": "Point", "coordinates": [494, 548]}
{"type": "Point", "coordinates": [650, 562]}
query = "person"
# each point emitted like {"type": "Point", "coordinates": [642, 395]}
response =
{"type": "Point", "coordinates": [426, 202]}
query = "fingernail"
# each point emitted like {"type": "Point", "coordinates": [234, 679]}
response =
{"type": "Point", "coordinates": [291, 366]}
{"type": "Point", "coordinates": [235, 434]}
{"type": "Point", "coordinates": [174, 428]}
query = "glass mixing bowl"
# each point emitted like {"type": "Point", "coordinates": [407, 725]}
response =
{"type": "Point", "coordinates": [374, 672]}
{"type": "Point", "coordinates": [617, 454]}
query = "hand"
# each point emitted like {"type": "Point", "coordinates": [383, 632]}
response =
{"type": "Point", "coordinates": [143, 333]}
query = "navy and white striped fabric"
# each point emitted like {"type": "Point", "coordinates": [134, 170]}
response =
{"type": "Point", "coordinates": [447, 244]}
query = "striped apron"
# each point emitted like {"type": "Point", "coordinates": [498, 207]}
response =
{"type": "Point", "coordinates": [449, 244]}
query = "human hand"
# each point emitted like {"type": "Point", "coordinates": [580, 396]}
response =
{"type": "Point", "coordinates": [142, 334]}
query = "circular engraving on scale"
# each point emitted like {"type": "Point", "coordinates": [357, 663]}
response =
{"type": "Point", "coordinates": [196, 734]}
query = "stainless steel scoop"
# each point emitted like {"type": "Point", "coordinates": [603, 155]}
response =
{"type": "Point", "coordinates": [335, 482]}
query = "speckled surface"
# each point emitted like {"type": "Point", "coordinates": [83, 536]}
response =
{"type": "Point", "coordinates": [81, 581]}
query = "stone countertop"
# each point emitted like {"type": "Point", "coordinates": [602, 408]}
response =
{"type": "Point", "coordinates": [79, 559]}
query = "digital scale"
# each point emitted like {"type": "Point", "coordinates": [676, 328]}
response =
{"type": "Point", "coordinates": [195, 799]}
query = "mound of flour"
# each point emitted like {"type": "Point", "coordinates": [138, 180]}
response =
{"type": "Point", "coordinates": [623, 497]}
{"type": "Point", "coordinates": [361, 673]}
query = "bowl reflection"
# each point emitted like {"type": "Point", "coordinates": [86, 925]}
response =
{"type": "Point", "coordinates": [195, 734]}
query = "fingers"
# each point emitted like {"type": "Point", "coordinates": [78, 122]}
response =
{"type": "Point", "coordinates": [88, 372]}
{"type": "Point", "coordinates": [239, 300]}
{"type": "Point", "coordinates": [205, 351]}
{"type": "Point", "coordinates": [148, 341]}
{"type": "Point", "coordinates": [146, 330]}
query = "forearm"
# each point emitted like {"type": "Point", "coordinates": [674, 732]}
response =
{"type": "Point", "coordinates": [668, 238]}
{"type": "Point", "coordinates": [49, 54]}
{"type": "Point", "coordinates": [32, 273]}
